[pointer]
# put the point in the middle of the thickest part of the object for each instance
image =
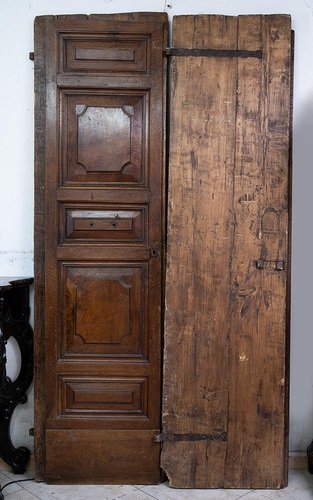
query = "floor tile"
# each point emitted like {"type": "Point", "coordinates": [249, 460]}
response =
{"type": "Point", "coordinates": [16, 477]}
{"type": "Point", "coordinates": [300, 487]}
{"type": "Point", "coordinates": [139, 495]}
{"type": "Point", "coordinates": [9, 489]}
{"type": "Point", "coordinates": [254, 495]}
{"type": "Point", "coordinates": [20, 495]}
{"type": "Point", "coordinates": [164, 492]}
{"type": "Point", "coordinates": [80, 492]}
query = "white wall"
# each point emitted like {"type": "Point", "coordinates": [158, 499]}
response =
{"type": "Point", "coordinates": [16, 170]}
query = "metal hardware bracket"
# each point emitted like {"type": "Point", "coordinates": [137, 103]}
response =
{"type": "Point", "coordinates": [169, 436]}
{"type": "Point", "coordinates": [169, 51]}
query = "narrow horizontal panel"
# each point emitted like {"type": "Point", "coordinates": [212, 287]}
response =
{"type": "Point", "coordinates": [97, 53]}
{"type": "Point", "coordinates": [102, 397]}
{"type": "Point", "coordinates": [108, 253]}
{"type": "Point", "coordinates": [115, 224]}
{"type": "Point", "coordinates": [103, 367]}
{"type": "Point", "coordinates": [80, 194]}
{"type": "Point", "coordinates": [112, 81]}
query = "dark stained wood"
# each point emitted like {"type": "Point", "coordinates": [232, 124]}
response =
{"type": "Point", "coordinates": [39, 245]}
{"type": "Point", "coordinates": [109, 457]}
{"type": "Point", "coordinates": [99, 198]}
{"type": "Point", "coordinates": [226, 332]}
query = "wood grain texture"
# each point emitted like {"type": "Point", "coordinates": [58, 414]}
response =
{"type": "Point", "coordinates": [225, 361]}
{"type": "Point", "coordinates": [39, 240]}
{"type": "Point", "coordinates": [99, 348]}
{"type": "Point", "coordinates": [257, 417]}
{"type": "Point", "coordinates": [200, 229]}
{"type": "Point", "coordinates": [102, 457]}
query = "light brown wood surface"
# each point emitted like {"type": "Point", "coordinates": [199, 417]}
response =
{"type": "Point", "coordinates": [226, 332]}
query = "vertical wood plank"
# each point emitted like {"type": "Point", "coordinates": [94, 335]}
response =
{"type": "Point", "coordinates": [39, 238]}
{"type": "Point", "coordinates": [200, 226]}
{"type": "Point", "coordinates": [247, 294]}
{"type": "Point", "coordinates": [256, 453]}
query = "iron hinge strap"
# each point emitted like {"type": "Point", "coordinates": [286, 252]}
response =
{"type": "Point", "coordinates": [180, 52]}
{"type": "Point", "coordinates": [170, 436]}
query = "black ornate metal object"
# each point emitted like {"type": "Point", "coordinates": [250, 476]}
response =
{"type": "Point", "coordinates": [14, 322]}
{"type": "Point", "coordinates": [310, 458]}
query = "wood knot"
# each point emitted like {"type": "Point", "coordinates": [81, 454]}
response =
{"type": "Point", "coordinates": [243, 358]}
{"type": "Point", "coordinates": [274, 35]}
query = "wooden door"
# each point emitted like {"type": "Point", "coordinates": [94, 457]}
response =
{"type": "Point", "coordinates": [99, 234]}
{"type": "Point", "coordinates": [225, 405]}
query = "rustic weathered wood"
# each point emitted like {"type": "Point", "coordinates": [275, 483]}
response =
{"type": "Point", "coordinates": [225, 366]}
{"type": "Point", "coordinates": [199, 245]}
{"type": "Point", "coordinates": [256, 453]}
{"type": "Point", "coordinates": [100, 90]}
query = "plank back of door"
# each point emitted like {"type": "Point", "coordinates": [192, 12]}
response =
{"type": "Point", "coordinates": [99, 231]}
{"type": "Point", "coordinates": [225, 364]}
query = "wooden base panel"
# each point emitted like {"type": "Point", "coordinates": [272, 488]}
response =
{"type": "Point", "coordinates": [98, 457]}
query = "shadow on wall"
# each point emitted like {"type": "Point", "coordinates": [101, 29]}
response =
{"type": "Point", "coordinates": [301, 390]}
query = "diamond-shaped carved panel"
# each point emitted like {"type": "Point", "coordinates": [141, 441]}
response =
{"type": "Point", "coordinates": [99, 318]}
{"type": "Point", "coordinates": [105, 310]}
{"type": "Point", "coordinates": [98, 129]}
{"type": "Point", "coordinates": [105, 138]}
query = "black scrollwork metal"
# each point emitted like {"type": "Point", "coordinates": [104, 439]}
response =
{"type": "Point", "coordinates": [14, 322]}
{"type": "Point", "coordinates": [310, 458]}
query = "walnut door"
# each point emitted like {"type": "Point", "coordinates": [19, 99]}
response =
{"type": "Point", "coordinates": [99, 235]}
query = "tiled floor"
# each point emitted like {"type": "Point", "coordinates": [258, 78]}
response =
{"type": "Point", "coordinates": [300, 488]}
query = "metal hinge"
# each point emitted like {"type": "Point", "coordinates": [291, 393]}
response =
{"type": "Point", "coordinates": [169, 51]}
{"type": "Point", "coordinates": [31, 56]}
{"type": "Point", "coordinates": [170, 436]}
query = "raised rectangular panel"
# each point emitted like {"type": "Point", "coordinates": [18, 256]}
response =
{"type": "Point", "coordinates": [97, 397]}
{"type": "Point", "coordinates": [103, 54]}
{"type": "Point", "coordinates": [118, 225]}
{"type": "Point", "coordinates": [105, 310]}
{"type": "Point", "coordinates": [104, 137]}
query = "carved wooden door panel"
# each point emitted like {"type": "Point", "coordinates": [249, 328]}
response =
{"type": "Point", "coordinates": [99, 232]}
{"type": "Point", "coordinates": [225, 411]}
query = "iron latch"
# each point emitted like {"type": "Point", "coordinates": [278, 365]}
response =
{"type": "Point", "coordinates": [230, 53]}
{"type": "Point", "coordinates": [171, 436]}
{"type": "Point", "coordinates": [279, 264]}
